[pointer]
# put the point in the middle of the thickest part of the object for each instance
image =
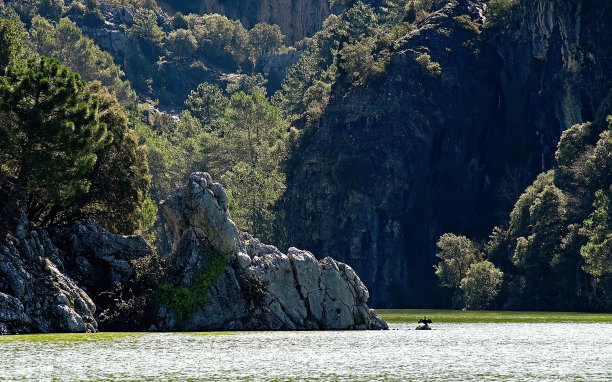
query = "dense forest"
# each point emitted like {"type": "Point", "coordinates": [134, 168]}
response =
{"type": "Point", "coordinates": [455, 153]}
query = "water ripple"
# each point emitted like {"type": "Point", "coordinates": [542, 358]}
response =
{"type": "Point", "coordinates": [451, 352]}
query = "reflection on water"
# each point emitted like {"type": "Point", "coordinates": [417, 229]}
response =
{"type": "Point", "coordinates": [451, 352]}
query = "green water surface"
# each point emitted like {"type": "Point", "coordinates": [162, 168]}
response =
{"type": "Point", "coordinates": [481, 316]}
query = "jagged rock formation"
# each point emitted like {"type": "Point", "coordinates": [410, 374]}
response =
{"type": "Point", "coordinates": [402, 159]}
{"type": "Point", "coordinates": [260, 288]}
{"type": "Point", "coordinates": [35, 296]}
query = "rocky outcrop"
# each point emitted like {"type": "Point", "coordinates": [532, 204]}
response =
{"type": "Point", "coordinates": [260, 288]}
{"type": "Point", "coordinates": [108, 24]}
{"type": "Point", "coordinates": [119, 273]}
{"type": "Point", "coordinates": [400, 160]}
{"type": "Point", "coordinates": [275, 67]}
{"type": "Point", "coordinates": [35, 296]}
{"type": "Point", "coordinates": [83, 278]}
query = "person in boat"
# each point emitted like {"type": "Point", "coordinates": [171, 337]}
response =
{"type": "Point", "coordinates": [424, 324]}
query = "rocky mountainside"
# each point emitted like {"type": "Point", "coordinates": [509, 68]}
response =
{"type": "Point", "coordinates": [418, 152]}
{"type": "Point", "coordinates": [78, 279]}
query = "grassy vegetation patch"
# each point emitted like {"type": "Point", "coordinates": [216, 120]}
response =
{"type": "Point", "coordinates": [465, 22]}
{"type": "Point", "coordinates": [185, 301]}
{"type": "Point", "coordinates": [470, 316]}
{"type": "Point", "coordinates": [428, 67]}
{"type": "Point", "coordinates": [70, 337]}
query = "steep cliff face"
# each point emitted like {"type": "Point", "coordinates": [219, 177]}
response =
{"type": "Point", "coordinates": [556, 70]}
{"type": "Point", "coordinates": [297, 19]}
{"type": "Point", "coordinates": [399, 161]}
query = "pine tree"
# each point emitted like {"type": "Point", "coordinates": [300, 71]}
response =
{"type": "Point", "coordinates": [49, 134]}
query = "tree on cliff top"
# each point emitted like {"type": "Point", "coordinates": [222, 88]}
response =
{"type": "Point", "coordinates": [66, 149]}
{"type": "Point", "coordinates": [49, 133]}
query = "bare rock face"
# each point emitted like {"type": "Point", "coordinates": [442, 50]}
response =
{"type": "Point", "coordinates": [261, 287]}
{"type": "Point", "coordinates": [35, 296]}
{"type": "Point", "coordinates": [201, 206]}
{"type": "Point", "coordinates": [296, 19]}
{"type": "Point", "coordinates": [118, 272]}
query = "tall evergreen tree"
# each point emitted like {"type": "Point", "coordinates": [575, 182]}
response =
{"type": "Point", "coordinates": [49, 134]}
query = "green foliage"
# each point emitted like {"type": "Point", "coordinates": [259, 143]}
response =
{"type": "Point", "coordinates": [49, 135]}
{"type": "Point", "coordinates": [220, 39]}
{"type": "Point", "coordinates": [465, 22]}
{"type": "Point", "coordinates": [265, 38]}
{"type": "Point", "coordinates": [51, 9]}
{"type": "Point", "coordinates": [599, 163]}
{"type": "Point", "coordinates": [207, 103]}
{"type": "Point", "coordinates": [179, 21]}
{"type": "Point", "coordinates": [147, 218]}
{"type": "Point", "coordinates": [520, 217]}
{"type": "Point", "coordinates": [245, 83]}
{"type": "Point", "coordinates": [119, 180]}
{"type": "Point", "coordinates": [28, 9]}
{"type": "Point", "coordinates": [597, 252]}
{"type": "Point", "coordinates": [257, 289]}
{"type": "Point", "coordinates": [174, 149]}
{"type": "Point", "coordinates": [543, 213]}
{"type": "Point", "coordinates": [357, 61]}
{"type": "Point", "coordinates": [456, 254]}
{"type": "Point", "coordinates": [66, 42]}
{"type": "Point", "coordinates": [360, 21]}
{"type": "Point", "coordinates": [316, 99]}
{"type": "Point", "coordinates": [8, 13]}
{"type": "Point", "coordinates": [182, 43]}
{"type": "Point", "coordinates": [11, 46]}
{"type": "Point", "coordinates": [146, 32]}
{"type": "Point", "coordinates": [481, 284]}
{"type": "Point", "coordinates": [428, 67]}
{"type": "Point", "coordinates": [572, 152]}
{"type": "Point", "coordinates": [556, 251]}
{"type": "Point", "coordinates": [145, 27]}
{"type": "Point", "coordinates": [498, 13]}
{"type": "Point", "coordinates": [320, 60]}
{"type": "Point", "coordinates": [397, 12]}
{"type": "Point", "coordinates": [185, 301]}
{"type": "Point", "coordinates": [254, 134]}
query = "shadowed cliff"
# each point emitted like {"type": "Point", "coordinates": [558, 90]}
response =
{"type": "Point", "coordinates": [402, 159]}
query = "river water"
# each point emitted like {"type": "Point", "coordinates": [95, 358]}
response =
{"type": "Point", "coordinates": [450, 352]}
